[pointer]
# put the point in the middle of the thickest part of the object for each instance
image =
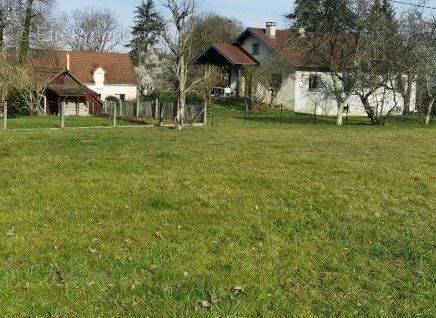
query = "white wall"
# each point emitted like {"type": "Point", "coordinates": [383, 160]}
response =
{"type": "Point", "coordinates": [286, 95]}
{"type": "Point", "coordinates": [308, 101]}
{"type": "Point", "coordinates": [115, 90]}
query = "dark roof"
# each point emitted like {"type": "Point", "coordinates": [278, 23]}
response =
{"type": "Point", "coordinates": [65, 84]}
{"type": "Point", "coordinates": [287, 43]}
{"type": "Point", "coordinates": [225, 54]}
{"type": "Point", "coordinates": [118, 67]}
{"type": "Point", "coordinates": [68, 91]}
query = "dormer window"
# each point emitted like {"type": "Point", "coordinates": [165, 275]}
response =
{"type": "Point", "coordinates": [99, 77]}
{"type": "Point", "coordinates": [255, 49]}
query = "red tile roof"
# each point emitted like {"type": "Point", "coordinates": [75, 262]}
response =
{"type": "Point", "coordinates": [287, 43]}
{"type": "Point", "coordinates": [118, 67]}
{"type": "Point", "coordinates": [235, 54]}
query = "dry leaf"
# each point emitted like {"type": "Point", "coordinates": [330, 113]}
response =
{"type": "Point", "coordinates": [158, 235]}
{"type": "Point", "coordinates": [205, 304]}
{"type": "Point", "coordinates": [238, 289]}
{"type": "Point", "coordinates": [59, 275]}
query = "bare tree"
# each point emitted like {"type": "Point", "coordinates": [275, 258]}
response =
{"type": "Point", "coordinates": [33, 9]}
{"type": "Point", "coordinates": [428, 65]}
{"type": "Point", "coordinates": [6, 7]}
{"type": "Point", "coordinates": [178, 36]}
{"type": "Point", "coordinates": [93, 30]}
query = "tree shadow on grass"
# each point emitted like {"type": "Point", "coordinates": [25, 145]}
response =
{"type": "Point", "coordinates": [303, 119]}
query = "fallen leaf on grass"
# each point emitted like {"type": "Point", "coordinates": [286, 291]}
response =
{"type": "Point", "coordinates": [158, 235]}
{"type": "Point", "coordinates": [59, 275]}
{"type": "Point", "coordinates": [238, 289]}
{"type": "Point", "coordinates": [92, 250]}
{"type": "Point", "coordinates": [205, 304]}
{"type": "Point", "coordinates": [10, 232]}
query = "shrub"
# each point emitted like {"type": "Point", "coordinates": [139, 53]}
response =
{"type": "Point", "coordinates": [171, 96]}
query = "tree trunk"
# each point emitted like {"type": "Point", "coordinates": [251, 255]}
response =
{"type": "Point", "coordinates": [24, 44]}
{"type": "Point", "coordinates": [181, 111]}
{"type": "Point", "coordinates": [341, 106]}
{"type": "Point", "coordinates": [407, 95]}
{"type": "Point", "coordinates": [368, 109]}
{"type": "Point", "coordinates": [429, 111]}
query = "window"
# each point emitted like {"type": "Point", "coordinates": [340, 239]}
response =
{"type": "Point", "coordinates": [314, 82]}
{"type": "Point", "coordinates": [255, 49]}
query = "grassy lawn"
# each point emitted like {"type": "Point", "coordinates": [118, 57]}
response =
{"type": "Point", "coordinates": [55, 122]}
{"type": "Point", "coordinates": [312, 220]}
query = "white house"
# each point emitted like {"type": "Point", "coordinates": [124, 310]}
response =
{"type": "Point", "coordinates": [302, 90]}
{"type": "Point", "coordinates": [104, 74]}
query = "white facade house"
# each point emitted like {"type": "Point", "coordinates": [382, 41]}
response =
{"type": "Point", "coordinates": [102, 75]}
{"type": "Point", "coordinates": [301, 90]}
{"type": "Point", "coordinates": [128, 92]}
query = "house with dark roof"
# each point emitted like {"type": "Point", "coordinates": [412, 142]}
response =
{"type": "Point", "coordinates": [84, 80]}
{"type": "Point", "coordinates": [302, 91]}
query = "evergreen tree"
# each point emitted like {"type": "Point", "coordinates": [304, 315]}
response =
{"type": "Point", "coordinates": [322, 16]}
{"type": "Point", "coordinates": [146, 31]}
{"type": "Point", "coordinates": [306, 15]}
{"type": "Point", "coordinates": [383, 11]}
{"type": "Point", "coordinates": [337, 16]}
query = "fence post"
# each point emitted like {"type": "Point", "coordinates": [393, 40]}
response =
{"type": "Point", "coordinates": [205, 113]}
{"type": "Point", "coordinates": [114, 114]}
{"type": "Point", "coordinates": [161, 117]}
{"type": "Point", "coordinates": [281, 113]}
{"type": "Point", "coordinates": [316, 112]}
{"type": "Point", "coordinates": [346, 115]}
{"type": "Point", "coordinates": [211, 115]}
{"type": "Point", "coordinates": [63, 115]}
{"type": "Point", "coordinates": [156, 106]}
{"type": "Point", "coordinates": [5, 116]}
{"type": "Point", "coordinates": [137, 108]}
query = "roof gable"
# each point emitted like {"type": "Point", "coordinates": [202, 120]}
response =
{"type": "Point", "coordinates": [287, 44]}
{"type": "Point", "coordinates": [118, 67]}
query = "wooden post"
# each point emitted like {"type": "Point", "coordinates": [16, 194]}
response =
{"type": "Point", "coordinates": [137, 108]}
{"type": "Point", "coordinates": [316, 111]}
{"type": "Point", "coordinates": [77, 106]}
{"type": "Point", "coordinates": [63, 115]}
{"type": "Point", "coordinates": [5, 116]}
{"type": "Point", "coordinates": [156, 106]}
{"type": "Point", "coordinates": [160, 113]}
{"type": "Point", "coordinates": [281, 113]}
{"type": "Point", "coordinates": [205, 113]}
{"type": "Point", "coordinates": [211, 115]}
{"type": "Point", "coordinates": [114, 114]}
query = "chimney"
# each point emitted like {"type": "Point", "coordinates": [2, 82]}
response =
{"type": "Point", "coordinates": [68, 62]}
{"type": "Point", "coordinates": [271, 29]}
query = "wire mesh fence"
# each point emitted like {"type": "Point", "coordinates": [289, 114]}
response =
{"type": "Point", "coordinates": [113, 114]}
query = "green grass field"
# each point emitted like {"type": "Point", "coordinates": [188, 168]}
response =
{"type": "Point", "coordinates": [55, 122]}
{"type": "Point", "coordinates": [311, 220]}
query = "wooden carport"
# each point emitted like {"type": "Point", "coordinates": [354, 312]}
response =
{"type": "Point", "coordinates": [65, 87]}
{"type": "Point", "coordinates": [229, 57]}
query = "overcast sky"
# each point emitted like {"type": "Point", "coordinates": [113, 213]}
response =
{"type": "Point", "coordinates": [250, 12]}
